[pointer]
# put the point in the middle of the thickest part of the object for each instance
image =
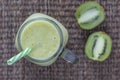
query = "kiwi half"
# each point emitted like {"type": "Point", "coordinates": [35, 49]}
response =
{"type": "Point", "coordinates": [89, 15]}
{"type": "Point", "coordinates": [98, 46]}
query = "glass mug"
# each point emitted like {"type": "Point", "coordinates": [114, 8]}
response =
{"type": "Point", "coordinates": [47, 37]}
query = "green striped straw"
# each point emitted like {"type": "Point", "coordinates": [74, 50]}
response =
{"type": "Point", "coordinates": [18, 56]}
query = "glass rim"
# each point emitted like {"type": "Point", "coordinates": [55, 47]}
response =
{"type": "Point", "coordinates": [59, 50]}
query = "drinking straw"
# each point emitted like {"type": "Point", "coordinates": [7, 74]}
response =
{"type": "Point", "coordinates": [18, 56]}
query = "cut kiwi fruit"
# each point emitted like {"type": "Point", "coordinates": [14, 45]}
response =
{"type": "Point", "coordinates": [98, 46]}
{"type": "Point", "coordinates": [89, 15]}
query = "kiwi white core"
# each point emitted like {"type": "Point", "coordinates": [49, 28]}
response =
{"type": "Point", "coordinates": [88, 15]}
{"type": "Point", "coordinates": [99, 47]}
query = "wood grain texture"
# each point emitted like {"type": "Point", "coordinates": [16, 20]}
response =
{"type": "Point", "coordinates": [14, 12]}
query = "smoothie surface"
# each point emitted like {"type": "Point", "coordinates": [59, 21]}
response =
{"type": "Point", "coordinates": [42, 37]}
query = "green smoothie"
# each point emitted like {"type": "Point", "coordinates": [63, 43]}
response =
{"type": "Point", "coordinates": [42, 37]}
{"type": "Point", "coordinates": [45, 35]}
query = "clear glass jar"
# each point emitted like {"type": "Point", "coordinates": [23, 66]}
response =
{"type": "Point", "coordinates": [61, 51]}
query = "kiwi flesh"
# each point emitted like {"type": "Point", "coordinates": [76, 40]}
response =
{"type": "Point", "coordinates": [98, 46]}
{"type": "Point", "coordinates": [89, 15]}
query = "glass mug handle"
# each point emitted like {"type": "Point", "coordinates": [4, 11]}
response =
{"type": "Point", "coordinates": [69, 56]}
